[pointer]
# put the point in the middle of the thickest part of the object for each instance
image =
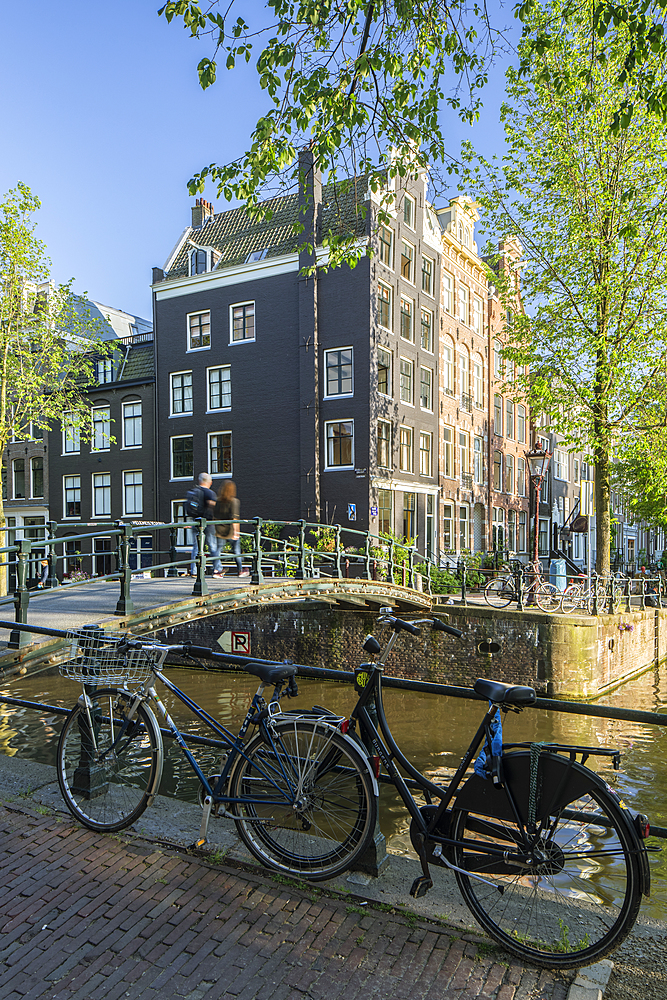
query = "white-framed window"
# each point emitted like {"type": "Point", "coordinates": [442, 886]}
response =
{"type": "Point", "coordinates": [560, 464]}
{"type": "Point", "coordinates": [509, 418]}
{"type": "Point", "coordinates": [427, 330]}
{"type": "Point", "coordinates": [464, 376]}
{"type": "Point", "coordinates": [428, 271]}
{"type": "Point", "coordinates": [385, 306]}
{"type": "Point", "coordinates": [384, 372]}
{"type": "Point", "coordinates": [220, 453]}
{"type": "Point", "coordinates": [18, 476]}
{"type": "Point", "coordinates": [521, 476]}
{"type": "Point", "coordinates": [477, 315]}
{"type": "Point", "coordinates": [338, 367]}
{"type": "Point", "coordinates": [71, 496]}
{"type": "Point", "coordinates": [464, 527]}
{"type": "Point", "coordinates": [104, 370]}
{"type": "Point", "coordinates": [102, 494]}
{"type": "Point", "coordinates": [407, 319]}
{"type": "Point", "coordinates": [498, 366]}
{"type": "Point", "coordinates": [425, 453]}
{"type": "Point", "coordinates": [101, 428]}
{"type": "Point", "coordinates": [448, 292]}
{"type": "Point", "coordinates": [426, 389]}
{"type": "Point", "coordinates": [409, 210]}
{"type": "Point", "coordinates": [521, 423]}
{"type": "Point", "coordinates": [37, 477]}
{"type": "Point", "coordinates": [497, 470]}
{"type": "Point", "coordinates": [386, 240]}
{"type": "Point", "coordinates": [543, 538]}
{"type": "Point", "coordinates": [464, 297]}
{"type": "Point", "coordinates": [340, 444]}
{"type": "Point", "coordinates": [198, 261]}
{"type": "Point", "coordinates": [199, 331]}
{"type": "Point", "coordinates": [181, 393]}
{"type": "Point", "coordinates": [448, 366]}
{"type": "Point", "coordinates": [71, 434]}
{"type": "Point", "coordinates": [408, 261]}
{"type": "Point", "coordinates": [498, 527]}
{"type": "Point", "coordinates": [384, 444]}
{"type": "Point", "coordinates": [219, 383]}
{"type": "Point", "coordinates": [511, 530]}
{"type": "Point", "coordinates": [448, 452]}
{"type": "Point", "coordinates": [464, 453]}
{"type": "Point", "coordinates": [182, 462]}
{"type": "Point", "coordinates": [385, 508]}
{"type": "Point", "coordinates": [509, 473]}
{"type": "Point", "coordinates": [241, 322]}
{"type": "Point", "coordinates": [406, 449]}
{"type": "Point", "coordinates": [478, 381]}
{"type": "Point", "coordinates": [448, 527]}
{"type": "Point", "coordinates": [132, 424]}
{"type": "Point", "coordinates": [178, 517]}
{"type": "Point", "coordinates": [133, 493]}
{"type": "Point", "coordinates": [410, 516]}
{"type": "Point", "coordinates": [478, 460]}
{"type": "Point", "coordinates": [575, 469]}
{"type": "Point", "coordinates": [522, 535]}
{"type": "Point", "coordinates": [498, 415]}
{"type": "Point", "coordinates": [406, 377]}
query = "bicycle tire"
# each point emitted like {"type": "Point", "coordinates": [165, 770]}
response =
{"type": "Point", "coordinates": [320, 810]}
{"type": "Point", "coordinates": [576, 905]}
{"type": "Point", "coordinates": [548, 597]}
{"type": "Point", "coordinates": [103, 789]}
{"type": "Point", "coordinates": [500, 592]}
{"type": "Point", "coordinates": [572, 598]}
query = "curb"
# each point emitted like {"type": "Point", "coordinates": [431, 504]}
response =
{"type": "Point", "coordinates": [591, 981]}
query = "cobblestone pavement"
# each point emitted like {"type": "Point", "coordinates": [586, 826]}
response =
{"type": "Point", "coordinates": [85, 916]}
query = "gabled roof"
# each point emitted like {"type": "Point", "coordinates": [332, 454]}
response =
{"type": "Point", "coordinates": [235, 234]}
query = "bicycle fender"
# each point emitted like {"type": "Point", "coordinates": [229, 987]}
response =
{"type": "Point", "coordinates": [359, 747]}
{"type": "Point", "coordinates": [559, 781]}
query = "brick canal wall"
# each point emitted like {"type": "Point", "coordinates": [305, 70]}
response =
{"type": "Point", "coordinates": [561, 656]}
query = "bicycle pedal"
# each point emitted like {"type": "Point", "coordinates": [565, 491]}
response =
{"type": "Point", "coordinates": [199, 843]}
{"type": "Point", "coordinates": [420, 886]}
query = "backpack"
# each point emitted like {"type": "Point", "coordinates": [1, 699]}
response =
{"type": "Point", "coordinates": [195, 505]}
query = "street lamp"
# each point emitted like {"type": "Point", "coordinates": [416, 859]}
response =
{"type": "Point", "coordinates": [538, 460]}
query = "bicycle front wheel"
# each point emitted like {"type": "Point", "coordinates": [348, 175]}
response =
{"type": "Point", "coordinates": [109, 768]}
{"type": "Point", "coordinates": [548, 597]}
{"type": "Point", "coordinates": [566, 902]}
{"type": "Point", "coordinates": [500, 592]}
{"type": "Point", "coordinates": [308, 805]}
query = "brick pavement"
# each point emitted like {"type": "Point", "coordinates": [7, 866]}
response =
{"type": "Point", "coordinates": [97, 917]}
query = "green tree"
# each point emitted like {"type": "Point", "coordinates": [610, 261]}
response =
{"type": "Point", "coordinates": [589, 207]}
{"type": "Point", "coordinates": [48, 343]}
{"type": "Point", "coordinates": [640, 472]}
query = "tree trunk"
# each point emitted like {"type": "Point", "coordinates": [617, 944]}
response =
{"type": "Point", "coordinates": [602, 505]}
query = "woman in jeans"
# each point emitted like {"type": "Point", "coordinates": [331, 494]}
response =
{"type": "Point", "coordinates": [228, 508]}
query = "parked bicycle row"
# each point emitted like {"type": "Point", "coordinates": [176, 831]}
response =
{"type": "Point", "coordinates": [548, 859]}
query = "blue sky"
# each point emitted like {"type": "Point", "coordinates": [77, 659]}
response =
{"type": "Point", "coordinates": [104, 119]}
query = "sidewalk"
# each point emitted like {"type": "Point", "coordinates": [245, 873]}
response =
{"type": "Point", "coordinates": [97, 917]}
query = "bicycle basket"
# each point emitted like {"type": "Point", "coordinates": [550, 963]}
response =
{"type": "Point", "coordinates": [99, 660]}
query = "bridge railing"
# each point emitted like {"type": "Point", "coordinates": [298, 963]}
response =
{"type": "Point", "coordinates": [297, 549]}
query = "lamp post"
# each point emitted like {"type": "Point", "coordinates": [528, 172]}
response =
{"type": "Point", "coordinates": [538, 460]}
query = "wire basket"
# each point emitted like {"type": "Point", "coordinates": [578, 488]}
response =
{"type": "Point", "coordinates": [99, 659]}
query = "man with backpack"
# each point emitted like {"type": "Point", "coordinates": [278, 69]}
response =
{"type": "Point", "coordinates": [199, 502]}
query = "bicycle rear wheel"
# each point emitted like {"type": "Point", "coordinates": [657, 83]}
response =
{"type": "Point", "coordinates": [311, 806]}
{"type": "Point", "coordinates": [500, 592]}
{"type": "Point", "coordinates": [108, 774]}
{"type": "Point", "coordinates": [571, 899]}
{"type": "Point", "coordinates": [572, 598]}
{"type": "Point", "coordinates": [548, 597]}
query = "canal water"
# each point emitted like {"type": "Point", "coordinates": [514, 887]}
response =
{"type": "Point", "coordinates": [432, 730]}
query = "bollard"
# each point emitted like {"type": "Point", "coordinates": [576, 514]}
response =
{"type": "Point", "coordinates": [173, 553]}
{"type": "Point", "coordinates": [52, 579]}
{"type": "Point", "coordinates": [125, 604]}
{"type": "Point", "coordinates": [17, 639]}
{"type": "Point", "coordinates": [200, 588]}
{"type": "Point", "coordinates": [257, 576]}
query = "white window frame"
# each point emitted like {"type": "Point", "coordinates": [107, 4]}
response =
{"type": "Point", "coordinates": [219, 475]}
{"type": "Point", "coordinates": [133, 487]}
{"type": "Point", "coordinates": [429, 313]}
{"type": "Point", "coordinates": [428, 291]}
{"type": "Point", "coordinates": [179, 517]}
{"type": "Point", "coordinates": [386, 424]}
{"type": "Point", "coordinates": [560, 465]}
{"type": "Point", "coordinates": [409, 434]}
{"type": "Point", "coordinates": [521, 423]}
{"type": "Point", "coordinates": [521, 476]}
{"type": "Point", "coordinates": [381, 244]}
{"type": "Point", "coordinates": [66, 516]}
{"type": "Point", "coordinates": [426, 455]}
{"type": "Point", "coordinates": [104, 487]}
{"type": "Point", "coordinates": [509, 474]}
{"type": "Point", "coordinates": [448, 292]}
{"type": "Point", "coordinates": [139, 403]}
{"type": "Point", "coordinates": [337, 468]}
{"type": "Point", "coordinates": [448, 451]}
{"type": "Point", "coordinates": [463, 302]}
{"type": "Point", "coordinates": [243, 340]}
{"type": "Point", "coordinates": [408, 199]}
{"type": "Point", "coordinates": [206, 347]}
{"type": "Point", "coordinates": [477, 315]}
{"type": "Point", "coordinates": [448, 366]}
{"type": "Point", "coordinates": [338, 395]}
{"type": "Point", "coordinates": [410, 339]}
{"type": "Point", "coordinates": [390, 368]}
{"type": "Point", "coordinates": [217, 368]}
{"type": "Point", "coordinates": [413, 261]}
{"type": "Point", "coordinates": [176, 437]}
{"type": "Point", "coordinates": [387, 288]}
{"type": "Point", "coordinates": [406, 361]}
{"type": "Point", "coordinates": [423, 368]}
{"type": "Point", "coordinates": [478, 381]}
{"type": "Point", "coordinates": [106, 435]}
{"type": "Point", "coordinates": [464, 519]}
{"type": "Point", "coordinates": [181, 413]}
{"type": "Point", "coordinates": [448, 512]}
{"type": "Point", "coordinates": [478, 460]}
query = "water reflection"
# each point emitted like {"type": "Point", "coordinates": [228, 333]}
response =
{"type": "Point", "coordinates": [433, 732]}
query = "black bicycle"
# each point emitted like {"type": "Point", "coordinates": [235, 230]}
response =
{"type": "Point", "coordinates": [547, 857]}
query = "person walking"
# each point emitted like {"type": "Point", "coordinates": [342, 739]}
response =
{"type": "Point", "coordinates": [228, 508]}
{"type": "Point", "coordinates": [200, 502]}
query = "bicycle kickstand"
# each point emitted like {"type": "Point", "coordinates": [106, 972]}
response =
{"type": "Point", "coordinates": [206, 815]}
{"type": "Point", "coordinates": [423, 882]}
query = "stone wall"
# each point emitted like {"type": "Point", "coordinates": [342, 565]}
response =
{"type": "Point", "coordinates": [561, 656]}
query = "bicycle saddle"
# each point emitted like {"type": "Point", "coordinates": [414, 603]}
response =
{"type": "Point", "coordinates": [508, 694]}
{"type": "Point", "coordinates": [271, 673]}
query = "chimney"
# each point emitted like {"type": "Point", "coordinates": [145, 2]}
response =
{"type": "Point", "coordinates": [158, 275]}
{"type": "Point", "coordinates": [310, 203]}
{"type": "Point", "coordinates": [202, 211]}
